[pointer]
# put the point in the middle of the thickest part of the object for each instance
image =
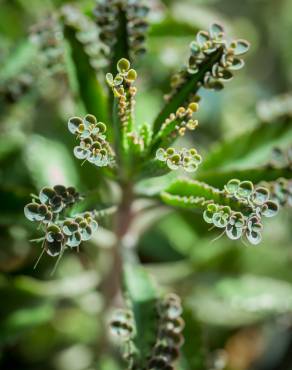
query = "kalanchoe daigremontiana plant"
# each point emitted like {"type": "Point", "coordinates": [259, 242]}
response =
{"type": "Point", "coordinates": [143, 160]}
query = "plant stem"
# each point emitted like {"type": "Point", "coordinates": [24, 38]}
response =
{"type": "Point", "coordinates": [124, 216]}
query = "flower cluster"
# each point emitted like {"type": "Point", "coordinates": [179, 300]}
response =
{"type": "Point", "coordinates": [93, 145]}
{"type": "Point", "coordinates": [123, 90]}
{"type": "Point", "coordinates": [50, 203]}
{"type": "Point", "coordinates": [169, 336]}
{"type": "Point", "coordinates": [176, 125]}
{"type": "Point", "coordinates": [213, 57]}
{"type": "Point", "coordinates": [248, 205]}
{"type": "Point", "coordinates": [108, 15]}
{"type": "Point", "coordinates": [48, 36]}
{"type": "Point", "coordinates": [86, 33]}
{"type": "Point", "coordinates": [187, 159]}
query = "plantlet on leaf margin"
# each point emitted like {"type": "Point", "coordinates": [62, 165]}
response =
{"type": "Point", "coordinates": [238, 209]}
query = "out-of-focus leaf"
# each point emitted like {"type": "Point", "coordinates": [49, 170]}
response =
{"type": "Point", "coordinates": [68, 287]}
{"type": "Point", "coordinates": [255, 175]}
{"type": "Point", "coordinates": [22, 57]}
{"type": "Point", "coordinates": [153, 186]}
{"type": "Point", "coordinates": [170, 272]}
{"type": "Point", "coordinates": [142, 295]}
{"type": "Point", "coordinates": [193, 351]}
{"type": "Point", "coordinates": [23, 319]}
{"type": "Point", "coordinates": [240, 301]}
{"type": "Point", "coordinates": [49, 163]}
{"type": "Point", "coordinates": [12, 200]}
{"type": "Point", "coordinates": [248, 149]}
{"type": "Point", "coordinates": [170, 27]}
{"type": "Point", "coordinates": [90, 89]}
{"type": "Point", "coordinates": [10, 143]}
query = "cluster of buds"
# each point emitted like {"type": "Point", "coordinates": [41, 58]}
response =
{"type": "Point", "coordinates": [12, 89]}
{"type": "Point", "coordinates": [176, 125]}
{"type": "Point", "coordinates": [280, 191]}
{"type": "Point", "coordinates": [124, 91]}
{"type": "Point", "coordinates": [50, 203]}
{"type": "Point", "coordinates": [93, 146]}
{"type": "Point", "coordinates": [187, 159]}
{"type": "Point", "coordinates": [86, 33]}
{"type": "Point", "coordinates": [48, 37]}
{"type": "Point", "coordinates": [215, 56]}
{"type": "Point", "coordinates": [249, 204]}
{"type": "Point", "coordinates": [169, 336]}
{"type": "Point", "coordinates": [109, 14]}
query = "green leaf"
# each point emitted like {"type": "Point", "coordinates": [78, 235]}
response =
{"type": "Point", "coordinates": [249, 148]}
{"type": "Point", "coordinates": [169, 27]}
{"type": "Point", "coordinates": [191, 86]}
{"type": "Point", "coordinates": [12, 200]}
{"type": "Point", "coordinates": [90, 89]}
{"type": "Point", "coordinates": [21, 58]}
{"type": "Point", "coordinates": [69, 287]}
{"type": "Point", "coordinates": [10, 143]}
{"type": "Point", "coordinates": [142, 295]}
{"type": "Point", "coordinates": [22, 311]}
{"type": "Point", "coordinates": [153, 186]}
{"type": "Point", "coordinates": [188, 193]}
{"type": "Point", "coordinates": [21, 320]}
{"type": "Point", "coordinates": [193, 350]}
{"type": "Point", "coordinates": [121, 47]}
{"type": "Point", "coordinates": [240, 301]}
{"type": "Point", "coordinates": [49, 163]}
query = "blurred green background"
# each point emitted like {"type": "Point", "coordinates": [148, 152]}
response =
{"type": "Point", "coordinates": [238, 299]}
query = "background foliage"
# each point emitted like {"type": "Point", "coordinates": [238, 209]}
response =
{"type": "Point", "coordinates": [237, 299]}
